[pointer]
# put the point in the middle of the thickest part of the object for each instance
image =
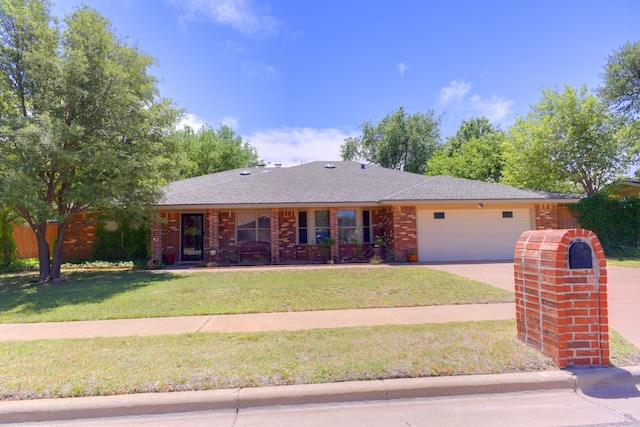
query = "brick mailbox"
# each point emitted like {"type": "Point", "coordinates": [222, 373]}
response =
{"type": "Point", "coordinates": [561, 296]}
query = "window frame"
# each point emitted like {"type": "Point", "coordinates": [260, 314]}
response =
{"type": "Point", "coordinates": [257, 229]}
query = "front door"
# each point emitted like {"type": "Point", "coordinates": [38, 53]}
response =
{"type": "Point", "coordinates": [192, 237]}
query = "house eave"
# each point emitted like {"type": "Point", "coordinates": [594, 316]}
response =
{"type": "Point", "coordinates": [254, 206]}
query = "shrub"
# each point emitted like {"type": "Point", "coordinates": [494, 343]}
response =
{"type": "Point", "coordinates": [615, 221]}
{"type": "Point", "coordinates": [8, 247]}
{"type": "Point", "coordinates": [125, 243]}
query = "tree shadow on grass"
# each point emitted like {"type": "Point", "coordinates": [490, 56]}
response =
{"type": "Point", "coordinates": [24, 296]}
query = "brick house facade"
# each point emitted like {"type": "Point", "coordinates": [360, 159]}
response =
{"type": "Point", "coordinates": [292, 210]}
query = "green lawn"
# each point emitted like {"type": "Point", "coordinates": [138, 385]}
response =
{"type": "Point", "coordinates": [101, 294]}
{"type": "Point", "coordinates": [105, 366]}
{"type": "Point", "coordinates": [624, 262]}
{"type": "Point", "coordinates": [204, 361]}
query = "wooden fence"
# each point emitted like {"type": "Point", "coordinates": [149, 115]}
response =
{"type": "Point", "coordinates": [26, 239]}
{"type": "Point", "coordinates": [566, 218]}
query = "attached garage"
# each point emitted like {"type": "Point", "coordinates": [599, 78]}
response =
{"type": "Point", "coordinates": [480, 234]}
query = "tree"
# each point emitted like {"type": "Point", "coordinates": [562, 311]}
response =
{"type": "Point", "coordinates": [82, 126]}
{"type": "Point", "coordinates": [568, 142]}
{"type": "Point", "coordinates": [622, 80]}
{"type": "Point", "coordinates": [399, 141]}
{"type": "Point", "coordinates": [209, 151]}
{"type": "Point", "coordinates": [8, 247]}
{"type": "Point", "coordinates": [474, 152]}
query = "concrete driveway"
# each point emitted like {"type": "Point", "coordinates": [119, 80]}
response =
{"type": "Point", "coordinates": [623, 290]}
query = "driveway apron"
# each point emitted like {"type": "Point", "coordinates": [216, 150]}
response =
{"type": "Point", "coordinates": [623, 286]}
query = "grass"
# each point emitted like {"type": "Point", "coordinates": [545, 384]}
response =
{"type": "Point", "coordinates": [106, 366]}
{"type": "Point", "coordinates": [109, 294]}
{"type": "Point", "coordinates": [624, 262]}
{"type": "Point", "coordinates": [205, 361]}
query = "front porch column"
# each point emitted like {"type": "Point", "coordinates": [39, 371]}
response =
{"type": "Point", "coordinates": [211, 236]}
{"type": "Point", "coordinates": [275, 235]}
{"type": "Point", "coordinates": [333, 232]}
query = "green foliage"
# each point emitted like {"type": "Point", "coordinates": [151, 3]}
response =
{"type": "Point", "coordinates": [125, 243]}
{"type": "Point", "coordinates": [616, 222]}
{"type": "Point", "coordinates": [86, 126]}
{"type": "Point", "coordinates": [568, 142]}
{"type": "Point", "coordinates": [208, 151]}
{"type": "Point", "coordinates": [474, 152]}
{"type": "Point", "coordinates": [622, 80]}
{"type": "Point", "coordinates": [8, 247]}
{"type": "Point", "coordinates": [399, 141]}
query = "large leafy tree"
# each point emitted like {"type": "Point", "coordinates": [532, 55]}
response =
{"type": "Point", "coordinates": [474, 152]}
{"type": "Point", "coordinates": [622, 80]}
{"type": "Point", "coordinates": [568, 142]}
{"type": "Point", "coordinates": [400, 141]}
{"type": "Point", "coordinates": [82, 126]}
{"type": "Point", "coordinates": [209, 150]}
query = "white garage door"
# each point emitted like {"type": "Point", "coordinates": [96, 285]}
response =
{"type": "Point", "coordinates": [470, 234]}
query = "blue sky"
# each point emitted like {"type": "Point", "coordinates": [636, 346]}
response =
{"type": "Point", "coordinates": [296, 77]}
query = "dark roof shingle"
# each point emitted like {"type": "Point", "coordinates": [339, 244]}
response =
{"type": "Point", "coordinates": [346, 182]}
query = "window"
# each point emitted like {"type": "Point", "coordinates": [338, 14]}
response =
{"type": "Point", "coordinates": [507, 214]}
{"type": "Point", "coordinates": [346, 226]}
{"type": "Point", "coordinates": [438, 215]}
{"type": "Point", "coordinates": [254, 226]}
{"type": "Point", "coordinates": [302, 228]}
{"type": "Point", "coordinates": [322, 225]}
{"type": "Point", "coordinates": [366, 226]}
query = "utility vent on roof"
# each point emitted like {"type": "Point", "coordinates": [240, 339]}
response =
{"type": "Point", "coordinates": [245, 173]}
{"type": "Point", "coordinates": [329, 166]}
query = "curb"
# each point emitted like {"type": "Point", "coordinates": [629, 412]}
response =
{"type": "Point", "coordinates": [233, 400]}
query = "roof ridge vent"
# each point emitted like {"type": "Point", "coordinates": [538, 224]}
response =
{"type": "Point", "coordinates": [329, 166]}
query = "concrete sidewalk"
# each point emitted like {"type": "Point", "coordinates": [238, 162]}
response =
{"type": "Point", "coordinates": [257, 322]}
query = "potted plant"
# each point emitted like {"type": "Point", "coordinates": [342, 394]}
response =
{"type": "Point", "coordinates": [170, 258]}
{"type": "Point", "coordinates": [213, 251]}
{"type": "Point", "coordinates": [412, 256]}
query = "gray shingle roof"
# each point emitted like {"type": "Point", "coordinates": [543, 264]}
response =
{"type": "Point", "coordinates": [347, 182]}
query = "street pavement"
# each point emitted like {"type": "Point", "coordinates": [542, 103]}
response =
{"type": "Point", "coordinates": [606, 396]}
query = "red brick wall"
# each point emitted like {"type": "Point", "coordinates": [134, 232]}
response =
{"type": "Point", "coordinates": [227, 232]}
{"type": "Point", "coordinates": [79, 238]}
{"type": "Point", "coordinates": [287, 237]}
{"type": "Point", "coordinates": [211, 227]}
{"type": "Point", "coordinates": [171, 234]}
{"type": "Point", "coordinates": [546, 217]}
{"type": "Point", "coordinates": [404, 237]}
{"type": "Point", "coordinates": [561, 311]}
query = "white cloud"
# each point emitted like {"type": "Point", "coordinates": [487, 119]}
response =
{"type": "Point", "coordinates": [229, 121]}
{"type": "Point", "coordinates": [242, 15]}
{"type": "Point", "coordinates": [293, 146]}
{"type": "Point", "coordinates": [495, 108]}
{"type": "Point", "coordinates": [402, 68]}
{"type": "Point", "coordinates": [457, 96]}
{"type": "Point", "coordinates": [454, 92]}
{"type": "Point", "coordinates": [191, 120]}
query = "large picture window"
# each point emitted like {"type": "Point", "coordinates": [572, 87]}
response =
{"type": "Point", "coordinates": [347, 226]}
{"type": "Point", "coordinates": [253, 226]}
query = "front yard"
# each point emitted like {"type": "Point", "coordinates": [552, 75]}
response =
{"type": "Point", "coordinates": [92, 295]}
{"type": "Point", "coordinates": [200, 361]}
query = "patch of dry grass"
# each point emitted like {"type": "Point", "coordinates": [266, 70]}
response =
{"type": "Point", "coordinates": [106, 366]}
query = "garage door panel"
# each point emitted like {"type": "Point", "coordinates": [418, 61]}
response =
{"type": "Point", "coordinates": [470, 235]}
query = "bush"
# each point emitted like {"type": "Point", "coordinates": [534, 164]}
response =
{"type": "Point", "coordinates": [616, 222]}
{"type": "Point", "coordinates": [125, 243]}
{"type": "Point", "coordinates": [8, 247]}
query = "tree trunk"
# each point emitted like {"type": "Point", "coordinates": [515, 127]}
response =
{"type": "Point", "coordinates": [43, 251]}
{"type": "Point", "coordinates": [57, 250]}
